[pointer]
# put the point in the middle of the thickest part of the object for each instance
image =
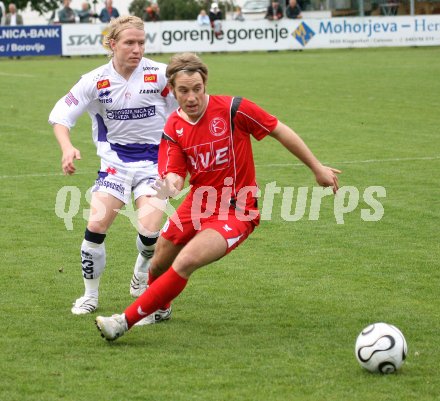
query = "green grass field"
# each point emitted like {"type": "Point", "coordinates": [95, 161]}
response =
{"type": "Point", "coordinates": [275, 320]}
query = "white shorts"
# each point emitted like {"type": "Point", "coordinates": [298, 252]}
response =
{"type": "Point", "coordinates": [122, 181]}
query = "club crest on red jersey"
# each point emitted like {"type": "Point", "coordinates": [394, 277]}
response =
{"type": "Point", "coordinates": [105, 83]}
{"type": "Point", "coordinates": [218, 126]}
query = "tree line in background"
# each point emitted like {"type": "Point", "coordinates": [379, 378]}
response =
{"type": "Point", "coordinates": [170, 10]}
{"type": "Point", "coordinates": [175, 10]}
{"type": "Point", "coordinates": [42, 6]}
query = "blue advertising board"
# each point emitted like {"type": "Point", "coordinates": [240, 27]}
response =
{"type": "Point", "coordinates": [35, 40]}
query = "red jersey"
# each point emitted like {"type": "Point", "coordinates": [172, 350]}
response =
{"type": "Point", "coordinates": [215, 150]}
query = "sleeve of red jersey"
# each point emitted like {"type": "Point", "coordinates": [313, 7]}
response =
{"type": "Point", "coordinates": [172, 159]}
{"type": "Point", "coordinates": [254, 120]}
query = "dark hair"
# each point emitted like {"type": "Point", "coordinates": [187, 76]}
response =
{"type": "Point", "coordinates": [186, 62]}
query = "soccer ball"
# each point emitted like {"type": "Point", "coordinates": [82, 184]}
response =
{"type": "Point", "coordinates": [381, 347]}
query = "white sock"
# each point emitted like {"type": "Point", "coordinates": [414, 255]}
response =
{"type": "Point", "coordinates": [91, 286]}
{"type": "Point", "coordinates": [145, 254]}
{"type": "Point", "coordinates": [142, 264]}
{"type": "Point", "coordinates": [93, 259]}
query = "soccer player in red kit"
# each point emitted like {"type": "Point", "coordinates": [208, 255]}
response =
{"type": "Point", "coordinates": [208, 137]}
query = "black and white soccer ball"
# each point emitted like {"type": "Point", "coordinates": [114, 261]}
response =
{"type": "Point", "coordinates": [381, 347]}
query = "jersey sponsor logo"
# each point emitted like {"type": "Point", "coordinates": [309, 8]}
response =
{"type": "Point", "coordinates": [105, 93]}
{"type": "Point", "coordinates": [151, 68]}
{"type": "Point", "coordinates": [148, 91]}
{"type": "Point", "coordinates": [105, 83]}
{"type": "Point", "coordinates": [70, 99]}
{"type": "Point", "coordinates": [218, 126]}
{"type": "Point", "coordinates": [111, 170]}
{"type": "Point", "coordinates": [102, 182]}
{"type": "Point", "coordinates": [150, 77]}
{"type": "Point", "coordinates": [132, 114]}
{"type": "Point", "coordinates": [104, 97]}
{"type": "Point", "coordinates": [210, 156]}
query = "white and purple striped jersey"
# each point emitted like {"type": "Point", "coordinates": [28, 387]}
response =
{"type": "Point", "coordinates": [127, 116]}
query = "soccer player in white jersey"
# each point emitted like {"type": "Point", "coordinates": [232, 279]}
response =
{"type": "Point", "coordinates": [209, 138]}
{"type": "Point", "coordinates": [128, 102]}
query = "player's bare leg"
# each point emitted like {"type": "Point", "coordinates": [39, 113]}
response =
{"type": "Point", "coordinates": [206, 247]}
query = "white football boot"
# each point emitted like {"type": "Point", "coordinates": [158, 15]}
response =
{"type": "Point", "coordinates": [84, 305]}
{"type": "Point", "coordinates": [112, 327]}
{"type": "Point", "coordinates": [160, 315]}
{"type": "Point", "coordinates": [138, 284]}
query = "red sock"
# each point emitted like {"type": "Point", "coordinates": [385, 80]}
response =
{"type": "Point", "coordinates": [150, 281]}
{"type": "Point", "coordinates": [161, 291]}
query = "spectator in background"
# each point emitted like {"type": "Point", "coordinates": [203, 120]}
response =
{"type": "Point", "coordinates": [66, 15]}
{"type": "Point", "coordinates": [305, 4]}
{"type": "Point", "coordinates": [238, 15]}
{"type": "Point", "coordinates": [152, 13]}
{"type": "Point", "coordinates": [274, 11]}
{"type": "Point", "coordinates": [203, 18]}
{"type": "Point", "coordinates": [215, 17]}
{"type": "Point", "coordinates": [109, 12]}
{"type": "Point", "coordinates": [86, 14]}
{"type": "Point", "coordinates": [13, 18]}
{"type": "Point", "coordinates": [2, 11]}
{"type": "Point", "coordinates": [293, 10]}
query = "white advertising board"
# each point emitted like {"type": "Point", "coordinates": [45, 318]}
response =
{"type": "Point", "coordinates": [179, 36]}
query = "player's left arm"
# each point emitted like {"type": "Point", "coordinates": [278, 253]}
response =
{"type": "Point", "coordinates": [325, 176]}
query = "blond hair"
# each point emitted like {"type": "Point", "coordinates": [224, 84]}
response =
{"type": "Point", "coordinates": [186, 62]}
{"type": "Point", "coordinates": [118, 25]}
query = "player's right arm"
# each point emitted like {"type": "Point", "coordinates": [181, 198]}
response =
{"type": "Point", "coordinates": [63, 117]}
{"type": "Point", "coordinates": [69, 152]}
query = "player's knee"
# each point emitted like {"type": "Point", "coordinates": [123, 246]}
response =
{"type": "Point", "coordinates": [97, 226]}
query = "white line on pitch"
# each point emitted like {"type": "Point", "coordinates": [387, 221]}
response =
{"type": "Point", "coordinates": [7, 74]}
{"type": "Point", "coordinates": [404, 159]}
{"type": "Point", "coordinates": [3, 177]}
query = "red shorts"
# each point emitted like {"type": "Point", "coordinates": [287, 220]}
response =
{"type": "Point", "coordinates": [181, 227]}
